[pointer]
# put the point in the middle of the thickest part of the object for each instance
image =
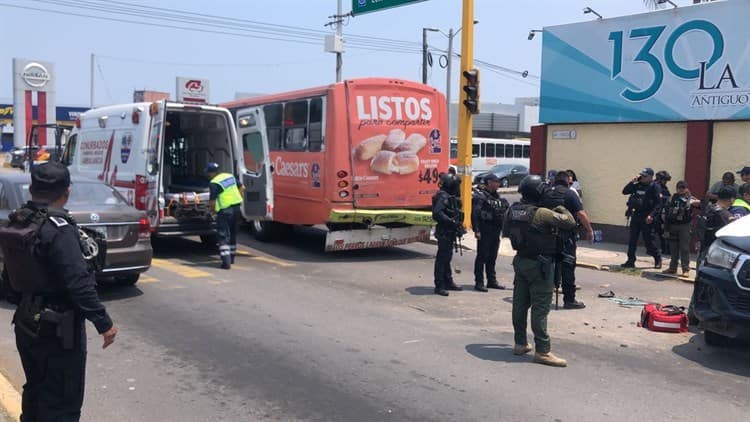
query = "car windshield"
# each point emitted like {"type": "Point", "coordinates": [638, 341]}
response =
{"type": "Point", "coordinates": [83, 195]}
{"type": "Point", "coordinates": [500, 168]}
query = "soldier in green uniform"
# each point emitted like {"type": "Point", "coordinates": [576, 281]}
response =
{"type": "Point", "coordinates": [533, 232]}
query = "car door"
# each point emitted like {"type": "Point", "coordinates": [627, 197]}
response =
{"type": "Point", "coordinates": [256, 166]}
{"type": "Point", "coordinates": [517, 173]}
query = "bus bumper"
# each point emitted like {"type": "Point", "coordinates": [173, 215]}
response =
{"type": "Point", "coordinates": [376, 237]}
{"type": "Point", "coordinates": [380, 217]}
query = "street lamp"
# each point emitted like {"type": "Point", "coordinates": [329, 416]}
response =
{"type": "Point", "coordinates": [532, 33]}
{"type": "Point", "coordinates": [590, 10]}
{"type": "Point", "coordinates": [424, 52]}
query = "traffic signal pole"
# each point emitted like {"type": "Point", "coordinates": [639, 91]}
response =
{"type": "Point", "coordinates": [464, 116]}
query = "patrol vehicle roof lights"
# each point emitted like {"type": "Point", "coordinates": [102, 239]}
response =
{"type": "Point", "coordinates": [590, 10]}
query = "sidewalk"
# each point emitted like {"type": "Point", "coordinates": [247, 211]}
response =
{"type": "Point", "coordinates": [603, 257]}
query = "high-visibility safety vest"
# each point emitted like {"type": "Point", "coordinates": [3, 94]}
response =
{"type": "Point", "coordinates": [739, 202]}
{"type": "Point", "coordinates": [230, 195]}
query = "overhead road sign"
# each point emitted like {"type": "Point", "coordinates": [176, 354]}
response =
{"type": "Point", "coordinates": [366, 6]}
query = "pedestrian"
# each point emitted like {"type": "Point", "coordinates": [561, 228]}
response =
{"type": "Point", "coordinates": [744, 174]}
{"type": "Point", "coordinates": [741, 205]}
{"type": "Point", "coordinates": [562, 195]}
{"type": "Point", "coordinates": [54, 289]}
{"type": "Point", "coordinates": [714, 217]}
{"type": "Point", "coordinates": [643, 210]}
{"type": "Point", "coordinates": [225, 199]}
{"type": "Point", "coordinates": [446, 211]}
{"type": "Point", "coordinates": [727, 179]}
{"type": "Point", "coordinates": [676, 216]}
{"type": "Point", "coordinates": [551, 177]}
{"type": "Point", "coordinates": [487, 213]}
{"type": "Point", "coordinates": [575, 184]}
{"type": "Point", "coordinates": [532, 230]}
{"type": "Point", "coordinates": [662, 177]}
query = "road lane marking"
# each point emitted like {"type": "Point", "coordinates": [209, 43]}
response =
{"type": "Point", "coordinates": [274, 261]}
{"type": "Point", "coordinates": [147, 279]}
{"type": "Point", "coordinates": [10, 398]}
{"type": "Point", "coordinates": [182, 270]}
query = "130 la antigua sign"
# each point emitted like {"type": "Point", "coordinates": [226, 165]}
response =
{"type": "Point", "coordinates": [366, 6]}
{"type": "Point", "coordinates": [675, 65]}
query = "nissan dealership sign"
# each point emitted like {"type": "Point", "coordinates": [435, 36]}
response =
{"type": "Point", "coordinates": [35, 75]}
{"type": "Point", "coordinates": [33, 89]}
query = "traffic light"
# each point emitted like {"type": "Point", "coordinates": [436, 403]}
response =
{"type": "Point", "coordinates": [471, 87]}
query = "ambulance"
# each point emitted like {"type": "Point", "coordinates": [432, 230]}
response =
{"type": "Point", "coordinates": [155, 154]}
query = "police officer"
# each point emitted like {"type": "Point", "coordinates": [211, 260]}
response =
{"type": "Point", "coordinates": [561, 195]}
{"type": "Point", "coordinates": [446, 211]}
{"type": "Point", "coordinates": [714, 217]}
{"type": "Point", "coordinates": [55, 292]}
{"type": "Point", "coordinates": [487, 213]}
{"type": "Point", "coordinates": [533, 233]}
{"type": "Point", "coordinates": [644, 209]}
{"type": "Point", "coordinates": [663, 177]}
{"type": "Point", "coordinates": [226, 200]}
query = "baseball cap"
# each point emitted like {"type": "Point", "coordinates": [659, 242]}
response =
{"type": "Point", "coordinates": [744, 170]}
{"type": "Point", "coordinates": [49, 177]}
{"type": "Point", "coordinates": [647, 171]}
{"type": "Point", "coordinates": [551, 174]}
{"type": "Point", "coordinates": [726, 192]}
{"type": "Point", "coordinates": [212, 167]}
{"type": "Point", "coordinates": [491, 177]}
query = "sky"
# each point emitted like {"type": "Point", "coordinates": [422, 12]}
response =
{"type": "Point", "coordinates": [132, 56]}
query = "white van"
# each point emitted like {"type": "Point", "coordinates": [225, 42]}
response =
{"type": "Point", "coordinates": [156, 155]}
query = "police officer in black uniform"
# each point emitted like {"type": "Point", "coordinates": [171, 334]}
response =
{"type": "Point", "coordinates": [55, 292]}
{"type": "Point", "coordinates": [663, 177]}
{"type": "Point", "coordinates": [487, 214]}
{"type": "Point", "coordinates": [644, 209]}
{"type": "Point", "coordinates": [561, 195]}
{"type": "Point", "coordinates": [446, 211]}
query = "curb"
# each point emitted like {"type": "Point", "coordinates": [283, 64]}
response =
{"type": "Point", "coordinates": [10, 399]}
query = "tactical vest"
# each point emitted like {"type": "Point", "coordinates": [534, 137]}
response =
{"type": "Point", "coordinates": [18, 239]}
{"type": "Point", "coordinates": [554, 197]}
{"type": "Point", "coordinates": [492, 208]}
{"type": "Point", "coordinates": [528, 239]}
{"type": "Point", "coordinates": [708, 224]}
{"type": "Point", "coordinates": [230, 195]}
{"type": "Point", "coordinates": [677, 210]}
{"type": "Point", "coordinates": [638, 200]}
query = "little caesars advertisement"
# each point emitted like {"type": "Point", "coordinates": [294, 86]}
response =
{"type": "Point", "coordinates": [398, 144]}
{"type": "Point", "coordinates": [688, 63]}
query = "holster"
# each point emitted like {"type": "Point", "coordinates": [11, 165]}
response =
{"type": "Point", "coordinates": [65, 323]}
{"type": "Point", "coordinates": [547, 266]}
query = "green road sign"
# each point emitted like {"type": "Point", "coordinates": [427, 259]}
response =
{"type": "Point", "coordinates": [366, 6]}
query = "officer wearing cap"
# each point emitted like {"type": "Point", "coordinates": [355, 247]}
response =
{"type": "Point", "coordinates": [55, 292]}
{"type": "Point", "coordinates": [225, 199]}
{"type": "Point", "coordinates": [487, 213]}
{"type": "Point", "coordinates": [644, 208]}
{"type": "Point", "coordinates": [744, 173]}
{"type": "Point", "coordinates": [662, 177]}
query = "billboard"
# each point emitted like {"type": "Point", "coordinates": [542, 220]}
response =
{"type": "Point", "coordinates": [192, 90]}
{"type": "Point", "coordinates": [687, 63]}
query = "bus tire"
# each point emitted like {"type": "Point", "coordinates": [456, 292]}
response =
{"type": "Point", "coordinates": [265, 231]}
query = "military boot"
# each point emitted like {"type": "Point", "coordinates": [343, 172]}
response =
{"type": "Point", "coordinates": [549, 359]}
{"type": "Point", "coordinates": [480, 287]}
{"type": "Point", "coordinates": [522, 349]}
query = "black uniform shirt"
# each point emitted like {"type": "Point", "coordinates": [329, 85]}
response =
{"type": "Point", "coordinates": [59, 250]}
{"type": "Point", "coordinates": [652, 197]}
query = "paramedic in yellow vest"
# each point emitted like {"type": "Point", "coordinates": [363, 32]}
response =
{"type": "Point", "coordinates": [225, 200]}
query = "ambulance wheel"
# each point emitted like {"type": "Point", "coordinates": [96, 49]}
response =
{"type": "Point", "coordinates": [127, 280]}
{"type": "Point", "coordinates": [265, 231]}
{"type": "Point", "coordinates": [209, 240]}
{"type": "Point", "coordinates": [715, 339]}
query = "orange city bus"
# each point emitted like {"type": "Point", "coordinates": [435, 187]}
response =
{"type": "Point", "coordinates": [361, 157]}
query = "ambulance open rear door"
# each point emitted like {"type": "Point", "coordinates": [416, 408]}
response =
{"type": "Point", "coordinates": [256, 173]}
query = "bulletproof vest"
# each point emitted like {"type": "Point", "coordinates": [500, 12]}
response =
{"type": "Point", "coordinates": [638, 200]}
{"type": "Point", "coordinates": [492, 208]}
{"type": "Point", "coordinates": [451, 205]}
{"type": "Point", "coordinates": [677, 210]}
{"type": "Point", "coordinates": [554, 197]}
{"type": "Point", "coordinates": [709, 223]}
{"type": "Point", "coordinates": [19, 239]}
{"type": "Point", "coordinates": [527, 238]}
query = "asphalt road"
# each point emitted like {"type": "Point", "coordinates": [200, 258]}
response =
{"type": "Point", "coordinates": [292, 333]}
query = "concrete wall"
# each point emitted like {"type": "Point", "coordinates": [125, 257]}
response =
{"type": "Point", "coordinates": [730, 150]}
{"type": "Point", "coordinates": [606, 156]}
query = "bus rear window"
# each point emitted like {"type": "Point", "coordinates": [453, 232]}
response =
{"type": "Point", "coordinates": [295, 126]}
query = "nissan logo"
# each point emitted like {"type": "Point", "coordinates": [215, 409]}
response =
{"type": "Point", "coordinates": [35, 75]}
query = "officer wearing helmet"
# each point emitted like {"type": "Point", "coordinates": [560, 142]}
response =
{"type": "Point", "coordinates": [446, 211]}
{"type": "Point", "coordinates": [487, 213]}
{"type": "Point", "coordinates": [533, 232]}
{"type": "Point", "coordinates": [225, 199]}
{"type": "Point", "coordinates": [55, 292]}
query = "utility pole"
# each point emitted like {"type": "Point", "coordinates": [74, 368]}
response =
{"type": "Point", "coordinates": [91, 87]}
{"type": "Point", "coordinates": [448, 79]}
{"type": "Point", "coordinates": [424, 55]}
{"type": "Point", "coordinates": [464, 117]}
{"type": "Point", "coordinates": [339, 35]}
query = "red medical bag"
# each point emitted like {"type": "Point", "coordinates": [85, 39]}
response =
{"type": "Point", "coordinates": [665, 318]}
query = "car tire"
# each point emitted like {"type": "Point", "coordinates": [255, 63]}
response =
{"type": "Point", "coordinates": [127, 280]}
{"type": "Point", "coordinates": [209, 240]}
{"type": "Point", "coordinates": [265, 231]}
{"type": "Point", "coordinates": [504, 183]}
{"type": "Point", "coordinates": [715, 339]}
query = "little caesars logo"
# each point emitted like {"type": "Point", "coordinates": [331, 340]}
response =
{"type": "Point", "coordinates": [35, 75]}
